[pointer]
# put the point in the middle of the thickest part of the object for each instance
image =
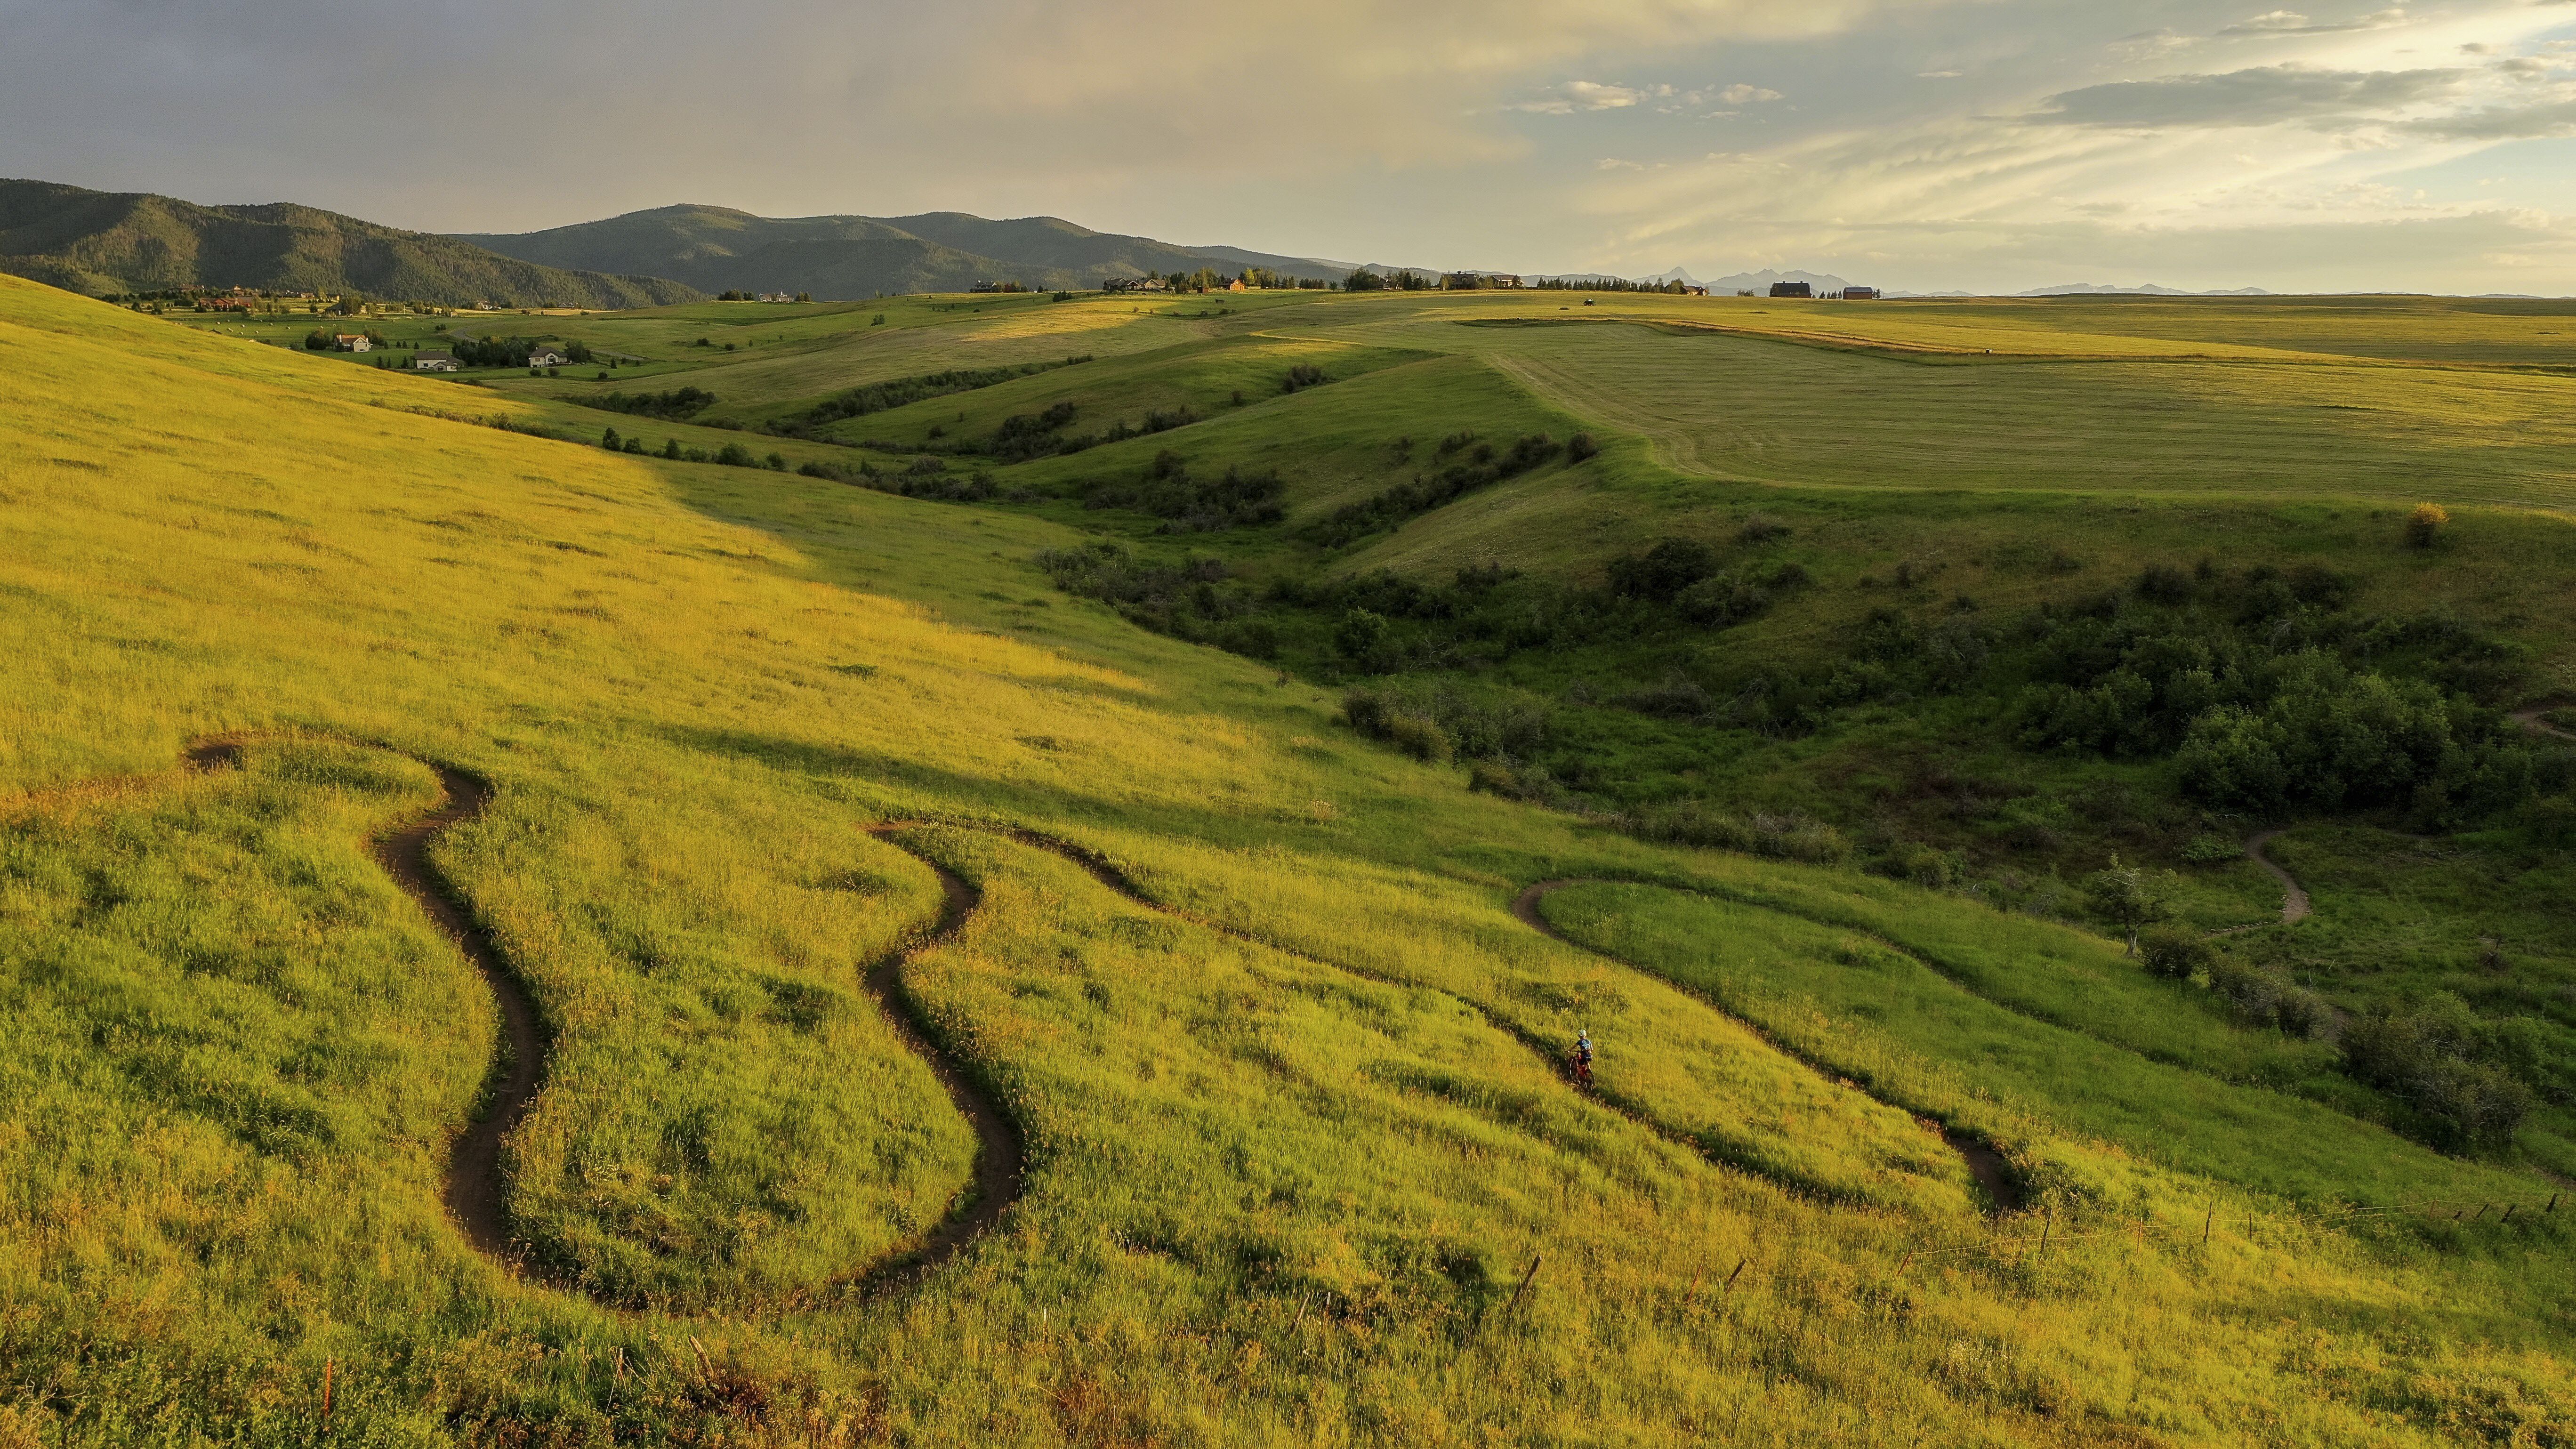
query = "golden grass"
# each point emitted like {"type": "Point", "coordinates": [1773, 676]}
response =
{"type": "Point", "coordinates": [1276, 1198]}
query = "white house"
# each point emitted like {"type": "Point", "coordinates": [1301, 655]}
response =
{"type": "Point", "coordinates": [547, 355]}
{"type": "Point", "coordinates": [353, 342]}
{"type": "Point", "coordinates": [434, 362]}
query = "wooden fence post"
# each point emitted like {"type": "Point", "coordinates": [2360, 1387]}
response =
{"type": "Point", "coordinates": [1523, 1291]}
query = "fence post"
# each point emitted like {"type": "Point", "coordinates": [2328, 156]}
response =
{"type": "Point", "coordinates": [1523, 1291]}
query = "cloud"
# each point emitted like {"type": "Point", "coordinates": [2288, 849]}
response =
{"type": "Point", "coordinates": [2264, 96]}
{"type": "Point", "coordinates": [2290, 22]}
{"type": "Point", "coordinates": [1738, 95]}
{"type": "Point", "coordinates": [1613, 163]}
{"type": "Point", "coordinates": [2499, 123]}
{"type": "Point", "coordinates": [1938, 74]}
{"type": "Point", "coordinates": [1568, 97]}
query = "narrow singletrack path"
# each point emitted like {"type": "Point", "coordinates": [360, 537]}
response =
{"type": "Point", "coordinates": [1001, 1148]}
{"type": "Point", "coordinates": [476, 1189]}
{"type": "Point", "coordinates": [2294, 897]}
{"type": "Point", "coordinates": [2530, 719]}
{"type": "Point", "coordinates": [1550, 1055]}
{"type": "Point", "coordinates": [1984, 1164]}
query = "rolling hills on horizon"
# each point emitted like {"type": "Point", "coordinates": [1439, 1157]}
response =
{"type": "Point", "coordinates": [717, 248]}
{"type": "Point", "coordinates": [101, 243]}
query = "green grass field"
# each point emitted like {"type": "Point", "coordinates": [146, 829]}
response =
{"type": "Point", "coordinates": [1303, 1167]}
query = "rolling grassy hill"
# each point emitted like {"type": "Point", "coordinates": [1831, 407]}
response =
{"type": "Point", "coordinates": [1300, 1164]}
{"type": "Point", "coordinates": [109, 243]}
{"type": "Point", "coordinates": [722, 250]}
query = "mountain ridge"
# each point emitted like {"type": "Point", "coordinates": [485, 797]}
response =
{"type": "Point", "coordinates": [840, 257]}
{"type": "Point", "coordinates": [102, 243]}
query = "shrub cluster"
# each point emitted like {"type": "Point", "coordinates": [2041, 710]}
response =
{"type": "Point", "coordinates": [1482, 467]}
{"type": "Point", "coordinates": [877, 397]}
{"type": "Point", "coordinates": [1441, 724]}
{"type": "Point", "coordinates": [1302, 376]}
{"type": "Point", "coordinates": [2266, 996]}
{"type": "Point", "coordinates": [926, 478]}
{"type": "Point", "coordinates": [2450, 1065]}
{"type": "Point", "coordinates": [1189, 504]}
{"type": "Point", "coordinates": [1190, 599]}
{"type": "Point", "coordinates": [1699, 823]}
{"type": "Point", "coordinates": [678, 403]}
{"type": "Point", "coordinates": [2271, 693]}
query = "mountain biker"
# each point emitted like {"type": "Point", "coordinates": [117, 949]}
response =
{"type": "Point", "coordinates": [1583, 1057]}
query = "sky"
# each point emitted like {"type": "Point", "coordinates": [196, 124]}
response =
{"type": "Point", "coordinates": [1984, 145]}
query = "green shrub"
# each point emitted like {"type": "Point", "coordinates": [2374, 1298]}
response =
{"type": "Point", "coordinates": [2172, 953]}
{"type": "Point", "coordinates": [2436, 1057]}
{"type": "Point", "coordinates": [2211, 850]}
{"type": "Point", "coordinates": [1924, 865]}
{"type": "Point", "coordinates": [2424, 526]}
{"type": "Point", "coordinates": [1420, 736]}
{"type": "Point", "coordinates": [1782, 837]}
{"type": "Point", "coordinates": [1359, 633]}
{"type": "Point", "coordinates": [2266, 996]}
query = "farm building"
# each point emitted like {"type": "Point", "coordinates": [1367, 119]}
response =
{"type": "Point", "coordinates": [434, 362]}
{"type": "Point", "coordinates": [1860, 294]}
{"type": "Point", "coordinates": [1792, 289]}
{"type": "Point", "coordinates": [353, 342]}
{"type": "Point", "coordinates": [547, 355]}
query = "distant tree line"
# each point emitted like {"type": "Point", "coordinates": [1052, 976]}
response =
{"type": "Point", "coordinates": [678, 403]}
{"type": "Point", "coordinates": [1609, 284]}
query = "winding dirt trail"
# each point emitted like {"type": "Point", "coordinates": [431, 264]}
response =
{"type": "Point", "coordinates": [2530, 719]}
{"type": "Point", "coordinates": [1550, 1054]}
{"type": "Point", "coordinates": [1001, 1148]}
{"type": "Point", "coordinates": [2294, 897]}
{"type": "Point", "coordinates": [1984, 1164]}
{"type": "Point", "coordinates": [476, 1189]}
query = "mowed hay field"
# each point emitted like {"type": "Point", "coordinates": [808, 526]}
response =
{"type": "Point", "coordinates": [1301, 1165]}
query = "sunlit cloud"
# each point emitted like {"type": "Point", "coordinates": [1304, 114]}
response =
{"type": "Point", "coordinates": [2290, 22]}
{"type": "Point", "coordinates": [2262, 96]}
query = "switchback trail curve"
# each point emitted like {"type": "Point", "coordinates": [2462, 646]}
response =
{"type": "Point", "coordinates": [1985, 1164]}
{"type": "Point", "coordinates": [2530, 719]}
{"type": "Point", "coordinates": [475, 1190]}
{"type": "Point", "coordinates": [1100, 868]}
{"type": "Point", "coordinates": [2294, 897]}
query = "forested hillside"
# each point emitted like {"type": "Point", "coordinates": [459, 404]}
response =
{"type": "Point", "coordinates": [109, 243]}
{"type": "Point", "coordinates": [721, 250]}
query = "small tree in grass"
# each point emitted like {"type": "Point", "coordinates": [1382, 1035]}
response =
{"type": "Point", "coordinates": [2425, 524]}
{"type": "Point", "coordinates": [2130, 898]}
